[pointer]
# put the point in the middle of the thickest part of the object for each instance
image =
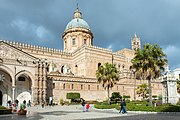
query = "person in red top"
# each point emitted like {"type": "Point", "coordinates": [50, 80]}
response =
{"type": "Point", "coordinates": [87, 107]}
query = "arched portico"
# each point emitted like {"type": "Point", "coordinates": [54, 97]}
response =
{"type": "Point", "coordinates": [5, 85]}
{"type": "Point", "coordinates": [24, 86]}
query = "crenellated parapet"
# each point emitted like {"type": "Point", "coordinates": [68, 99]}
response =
{"type": "Point", "coordinates": [30, 47]}
{"type": "Point", "coordinates": [95, 48]}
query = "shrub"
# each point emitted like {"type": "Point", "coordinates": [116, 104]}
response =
{"type": "Point", "coordinates": [73, 96]}
{"type": "Point", "coordinates": [115, 95]}
{"type": "Point", "coordinates": [126, 96]}
{"type": "Point", "coordinates": [154, 96]}
{"type": "Point", "coordinates": [61, 102]}
{"type": "Point", "coordinates": [178, 103]}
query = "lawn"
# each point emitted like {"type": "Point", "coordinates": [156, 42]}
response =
{"type": "Point", "coordinates": [141, 106]}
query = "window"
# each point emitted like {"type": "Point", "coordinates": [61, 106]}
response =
{"type": "Point", "coordinates": [76, 69]}
{"type": "Point", "coordinates": [88, 87]}
{"type": "Point", "coordinates": [85, 41]}
{"type": "Point", "coordinates": [53, 85]}
{"type": "Point", "coordinates": [117, 87]}
{"type": "Point", "coordinates": [62, 69]}
{"type": "Point", "coordinates": [97, 87]}
{"type": "Point", "coordinates": [73, 41]}
{"type": "Point", "coordinates": [21, 79]}
{"type": "Point", "coordinates": [99, 64]}
{"type": "Point", "coordinates": [72, 86]}
{"type": "Point", "coordinates": [119, 66]}
{"type": "Point", "coordinates": [65, 44]}
{"type": "Point", "coordinates": [64, 86]}
{"type": "Point", "coordinates": [81, 87]}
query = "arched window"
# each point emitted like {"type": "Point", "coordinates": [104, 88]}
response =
{"type": "Point", "coordinates": [72, 86]}
{"type": "Point", "coordinates": [88, 87]}
{"type": "Point", "coordinates": [64, 86]}
{"type": "Point", "coordinates": [74, 41]}
{"type": "Point", "coordinates": [119, 66]}
{"type": "Point", "coordinates": [65, 44]}
{"type": "Point", "coordinates": [76, 69]}
{"type": "Point", "coordinates": [85, 41]}
{"type": "Point", "coordinates": [81, 87]}
{"type": "Point", "coordinates": [62, 69]}
{"type": "Point", "coordinates": [97, 87]}
{"type": "Point", "coordinates": [99, 64]}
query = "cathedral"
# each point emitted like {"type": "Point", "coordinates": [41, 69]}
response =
{"type": "Point", "coordinates": [29, 72]}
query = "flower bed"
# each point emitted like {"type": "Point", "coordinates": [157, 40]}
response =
{"type": "Point", "coordinates": [4, 110]}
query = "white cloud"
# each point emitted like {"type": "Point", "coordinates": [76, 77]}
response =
{"type": "Point", "coordinates": [171, 50]}
{"type": "Point", "coordinates": [173, 56]}
{"type": "Point", "coordinates": [110, 47]}
{"type": "Point", "coordinates": [41, 32]}
{"type": "Point", "coordinates": [25, 27]}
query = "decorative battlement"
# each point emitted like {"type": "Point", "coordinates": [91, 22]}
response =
{"type": "Point", "coordinates": [35, 47]}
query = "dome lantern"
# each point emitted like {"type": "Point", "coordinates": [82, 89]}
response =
{"type": "Point", "coordinates": [77, 13]}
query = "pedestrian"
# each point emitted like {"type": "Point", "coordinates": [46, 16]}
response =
{"type": "Point", "coordinates": [124, 106]}
{"type": "Point", "coordinates": [42, 103]}
{"type": "Point", "coordinates": [29, 103]}
{"type": "Point", "coordinates": [121, 106]}
{"type": "Point", "coordinates": [24, 102]}
{"type": "Point", "coordinates": [87, 107]}
{"type": "Point", "coordinates": [83, 104]}
{"type": "Point", "coordinates": [51, 103]}
{"type": "Point", "coordinates": [9, 103]}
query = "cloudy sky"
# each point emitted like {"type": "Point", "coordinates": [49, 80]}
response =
{"type": "Point", "coordinates": [113, 22]}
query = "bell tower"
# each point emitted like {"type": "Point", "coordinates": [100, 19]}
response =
{"type": "Point", "coordinates": [135, 43]}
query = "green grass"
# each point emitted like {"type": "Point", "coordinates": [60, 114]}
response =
{"type": "Point", "coordinates": [141, 106]}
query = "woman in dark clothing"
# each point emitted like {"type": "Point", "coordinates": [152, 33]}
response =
{"type": "Point", "coordinates": [121, 107]}
{"type": "Point", "coordinates": [124, 106]}
{"type": "Point", "coordinates": [83, 105]}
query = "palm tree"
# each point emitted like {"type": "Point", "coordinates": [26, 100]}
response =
{"type": "Point", "coordinates": [142, 90]}
{"type": "Point", "coordinates": [107, 75]}
{"type": "Point", "coordinates": [149, 64]}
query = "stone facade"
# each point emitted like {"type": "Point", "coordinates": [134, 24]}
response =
{"type": "Point", "coordinates": [35, 73]}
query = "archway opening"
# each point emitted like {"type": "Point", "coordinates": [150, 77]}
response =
{"type": "Point", "coordinates": [24, 91]}
{"type": "Point", "coordinates": [0, 98]}
{"type": "Point", "coordinates": [5, 87]}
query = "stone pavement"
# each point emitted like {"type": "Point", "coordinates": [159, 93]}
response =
{"type": "Point", "coordinates": [72, 112]}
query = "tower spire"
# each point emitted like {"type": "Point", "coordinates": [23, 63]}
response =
{"type": "Point", "coordinates": [77, 13]}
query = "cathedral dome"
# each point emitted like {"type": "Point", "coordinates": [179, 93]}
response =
{"type": "Point", "coordinates": [77, 23]}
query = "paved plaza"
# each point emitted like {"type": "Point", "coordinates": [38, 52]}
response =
{"type": "Point", "coordinates": [74, 112]}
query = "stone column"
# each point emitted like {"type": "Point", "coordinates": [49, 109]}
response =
{"type": "Point", "coordinates": [36, 85]}
{"type": "Point", "coordinates": [13, 93]}
{"type": "Point", "coordinates": [32, 94]}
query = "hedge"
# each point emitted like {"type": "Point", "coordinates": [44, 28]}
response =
{"type": "Point", "coordinates": [73, 95]}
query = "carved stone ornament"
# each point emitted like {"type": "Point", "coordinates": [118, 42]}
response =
{"type": "Point", "coordinates": [12, 53]}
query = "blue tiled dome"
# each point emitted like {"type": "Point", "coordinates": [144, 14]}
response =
{"type": "Point", "coordinates": [77, 23]}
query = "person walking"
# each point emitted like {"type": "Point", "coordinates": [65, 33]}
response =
{"type": "Point", "coordinates": [29, 103]}
{"type": "Point", "coordinates": [83, 105]}
{"type": "Point", "coordinates": [124, 106]}
{"type": "Point", "coordinates": [87, 107]}
{"type": "Point", "coordinates": [42, 103]}
{"type": "Point", "coordinates": [121, 106]}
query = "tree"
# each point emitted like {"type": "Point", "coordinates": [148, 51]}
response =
{"type": "Point", "coordinates": [107, 75]}
{"type": "Point", "coordinates": [149, 64]}
{"type": "Point", "coordinates": [143, 90]}
{"type": "Point", "coordinates": [178, 86]}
